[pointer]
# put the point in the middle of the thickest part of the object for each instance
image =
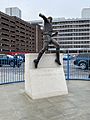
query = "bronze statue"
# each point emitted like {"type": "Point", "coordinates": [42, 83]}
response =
{"type": "Point", "coordinates": [48, 34]}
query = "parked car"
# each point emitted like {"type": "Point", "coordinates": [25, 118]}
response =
{"type": "Point", "coordinates": [83, 61]}
{"type": "Point", "coordinates": [22, 56]}
{"type": "Point", "coordinates": [10, 60]}
{"type": "Point", "coordinates": [68, 57]}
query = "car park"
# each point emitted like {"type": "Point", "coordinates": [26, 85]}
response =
{"type": "Point", "coordinates": [82, 60]}
{"type": "Point", "coordinates": [10, 60]}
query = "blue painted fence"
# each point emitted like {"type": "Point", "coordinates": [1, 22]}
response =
{"type": "Point", "coordinates": [74, 70]}
{"type": "Point", "coordinates": [11, 69]}
{"type": "Point", "coordinates": [77, 66]}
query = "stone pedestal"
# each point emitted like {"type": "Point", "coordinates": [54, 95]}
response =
{"type": "Point", "coordinates": [47, 80]}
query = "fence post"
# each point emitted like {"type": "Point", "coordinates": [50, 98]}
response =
{"type": "Point", "coordinates": [68, 68]}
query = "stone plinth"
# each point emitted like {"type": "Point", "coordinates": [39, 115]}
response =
{"type": "Point", "coordinates": [47, 80]}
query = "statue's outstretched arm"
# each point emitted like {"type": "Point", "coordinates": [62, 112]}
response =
{"type": "Point", "coordinates": [42, 16]}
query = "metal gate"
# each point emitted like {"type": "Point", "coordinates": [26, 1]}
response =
{"type": "Point", "coordinates": [11, 69]}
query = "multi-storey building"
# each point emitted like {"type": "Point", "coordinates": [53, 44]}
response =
{"type": "Point", "coordinates": [13, 11]}
{"type": "Point", "coordinates": [85, 13]}
{"type": "Point", "coordinates": [73, 34]}
{"type": "Point", "coordinates": [17, 35]}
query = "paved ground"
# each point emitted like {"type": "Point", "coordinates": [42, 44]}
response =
{"type": "Point", "coordinates": [15, 105]}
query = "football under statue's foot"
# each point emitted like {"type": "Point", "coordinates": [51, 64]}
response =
{"type": "Point", "coordinates": [35, 63]}
{"type": "Point", "coordinates": [57, 61]}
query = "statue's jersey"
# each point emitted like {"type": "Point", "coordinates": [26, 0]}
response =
{"type": "Point", "coordinates": [48, 29]}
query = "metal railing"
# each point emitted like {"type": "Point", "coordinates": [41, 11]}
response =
{"type": "Point", "coordinates": [11, 69]}
{"type": "Point", "coordinates": [77, 66]}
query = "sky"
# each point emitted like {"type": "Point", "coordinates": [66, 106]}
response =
{"type": "Point", "coordinates": [55, 8]}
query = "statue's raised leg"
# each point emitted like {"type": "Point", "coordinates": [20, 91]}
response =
{"type": "Point", "coordinates": [36, 61]}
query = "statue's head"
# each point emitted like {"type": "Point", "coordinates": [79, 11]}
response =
{"type": "Point", "coordinates": [50, 19]}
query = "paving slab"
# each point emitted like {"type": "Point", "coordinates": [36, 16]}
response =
{"type": "Point", "coordinates": [16, 105]}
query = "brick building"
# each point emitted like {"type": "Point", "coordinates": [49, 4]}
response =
{"type": "Point", "coordinates": [17, 35]}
